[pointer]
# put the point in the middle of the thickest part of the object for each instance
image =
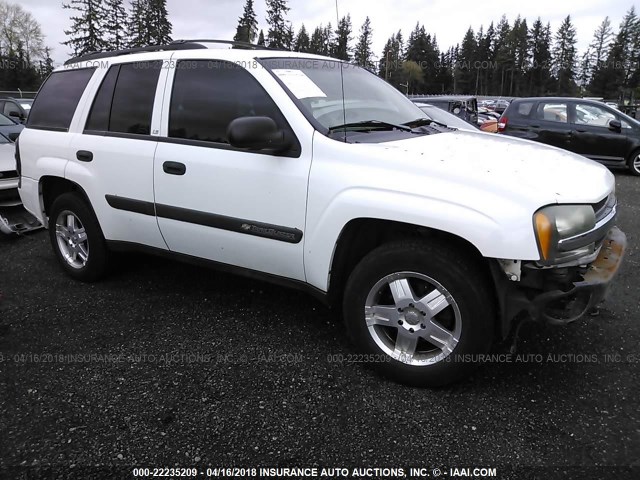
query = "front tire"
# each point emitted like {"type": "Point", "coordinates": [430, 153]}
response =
{"type": "Point", "coordinates": [634, 163]}
{"type": "Point", "coordinates": [420, 311]}
{"type": "Point", "coordinates": [77, 239]}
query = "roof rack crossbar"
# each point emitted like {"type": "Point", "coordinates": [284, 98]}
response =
{"type": "Point", "coordinates": [129, 51]}
{"type": "Point", "coordinates": [233, 43]}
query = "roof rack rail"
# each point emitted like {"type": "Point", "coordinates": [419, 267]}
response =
{"type": "Point", "coordinates": [233, 43]}
{"type": "Point", "coordinates": [182, 45]}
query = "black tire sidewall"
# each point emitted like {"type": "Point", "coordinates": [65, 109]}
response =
{"type": "Point", "coordinates": [464, 281]}
{"type": "Point", "coordinates": [97, 262]}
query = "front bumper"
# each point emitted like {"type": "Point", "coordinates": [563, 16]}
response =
{"type": "Point", "coordinates": [560, 307]}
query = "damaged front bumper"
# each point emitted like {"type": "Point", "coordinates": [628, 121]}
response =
{"type": "Point", "coordinates": [562, 306]}
{"type": "Point", "coordinates": [558, 295]}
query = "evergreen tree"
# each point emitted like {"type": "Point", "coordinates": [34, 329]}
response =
{"type": "Point", "coordinates": [485, 57]}
{"type": "Point", "coordinates": [363, 53]}
{"type": "Point", "coordinates": [279, 35]}
{"type": "Point", "coordinates": [115, 24]}
{"type": "Point", "coordinates": [502, 57]}
{"type": "Point", "coordinates": [137, 32]}
{"type": "Point", "coordinates": [520, 61]}
{"type": "Point", "coordinates": [620, 69]}
{"type": "Point", "coordinates": [321, 40]}
{"type": "Point", "coordinates": [540, 72]}
{"type": "Point", "coordinates": [564, 57]}
{"type": "Point", "coordinates": [391, 61]}
{"type": "Point", "coordinates": [149, 23]}
{"type": "Point", "coordinates": [301, 43]}
{"type": "Point", "coordinates": [466, 67]}
{"type": "Point", "coordinates": [599, 47]}
{"type": "Point", "coordinates": [86, 35]}
{"type": "Point", "coordinates": [158, 23]}
{"type": "Point", "coordinates": [342, 49]}
{"type": "Point", "coordinates": [261, 40]}
{"type": "Point", "coordinates": [247, 29]}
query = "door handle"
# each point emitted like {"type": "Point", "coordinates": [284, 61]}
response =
{"type": "Point", "coordinates": [84, 155]}
{"type": "Point", "coordinates": [174, 168]}
{"type": "Point", "coordinates": [535, 126]}
{"type": "Point", "coordinates": [580, 131]}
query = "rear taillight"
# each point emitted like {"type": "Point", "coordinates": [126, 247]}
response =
{"type": "Point", "coordinates": [502, 124]}
{"type": "Point", "coordinates": [18, 163]}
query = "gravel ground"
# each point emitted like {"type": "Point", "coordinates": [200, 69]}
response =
{"type": "Point", "coordinates": [191, 367]}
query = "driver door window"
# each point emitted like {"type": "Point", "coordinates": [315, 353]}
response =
{"type": "Point", "coordinates": [593, 115]}
{"type": "Point", "coordinates": [208, 95]}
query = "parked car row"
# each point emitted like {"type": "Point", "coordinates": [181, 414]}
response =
{"type": "Point", "coordinates": [588, 127]}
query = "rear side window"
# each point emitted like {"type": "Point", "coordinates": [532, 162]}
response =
{"type": "Point", "coordinates": [101, 110]}
{"type": "Point", "coordinates": [208, 95]}
{"type": "Point", "coordinates": [133, 98]}
{"type": "Point", "coordinates": [58, 98]}
{"type": "Point", "coordinates": [124, 102]}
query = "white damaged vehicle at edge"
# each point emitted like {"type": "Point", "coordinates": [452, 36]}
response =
{"type": "Point", "coordinates": [313, 173]}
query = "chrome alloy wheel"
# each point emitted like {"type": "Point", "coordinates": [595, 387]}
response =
{"type": "Point", "coordinates": [72, 239]}
{"type": "Point", "coordinates": [413, 318]}
{"type": "Point", "coordinates": [636, 163]}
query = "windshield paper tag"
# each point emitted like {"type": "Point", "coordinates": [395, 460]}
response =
{"type": "Point", "coordinates": [300, 85]}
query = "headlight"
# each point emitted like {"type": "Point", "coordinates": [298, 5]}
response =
{"type": "Point", "coordinates": [556, 223]}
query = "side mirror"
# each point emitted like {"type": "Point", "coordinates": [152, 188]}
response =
{"type": "Point", "coordinates": [257, 133]}
{"type": "Point", "coordinates": [14, 113]}
{"type": "Point", "coordinates": [13, 136]}
{"type": "Point", "coordinates": [615, 125]}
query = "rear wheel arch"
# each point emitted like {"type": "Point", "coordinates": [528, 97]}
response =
{"type": "Point", "coordinates": [52, 187]}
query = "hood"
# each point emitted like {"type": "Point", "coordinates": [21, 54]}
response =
{"type": "Point", "coordinates": [513, 163]}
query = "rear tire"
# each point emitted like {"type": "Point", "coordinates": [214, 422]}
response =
{"type": "Point", "coordinates": [77, 238]}
{"type": "Point", "coordinates": [419, 312]}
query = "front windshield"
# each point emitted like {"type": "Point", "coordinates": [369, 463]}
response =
{"type": "Point", "coordinates": [317, 84]}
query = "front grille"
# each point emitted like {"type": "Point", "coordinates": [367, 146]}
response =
{"type": "Point", "coordinates": [604, 207]}
{"type": "Point", "coordinates": [9, 195]}
{"type": "Point", "coordinates": [8, 174]}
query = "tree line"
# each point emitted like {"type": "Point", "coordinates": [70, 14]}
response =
{"type": "Point", "coordinates": [24, 59]}
{"type": "Point", "coordinates": [506, 59]}
{"type": "Point", "coordinates": [105, 25]}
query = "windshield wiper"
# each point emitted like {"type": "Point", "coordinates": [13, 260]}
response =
{"type": "Point", "coordinates": [370, 125]}
{"type": "Point", "coordinates": [418, 122]}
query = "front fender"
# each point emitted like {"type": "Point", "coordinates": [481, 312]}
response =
{"type": "Point", "coordinates": [508, 236]}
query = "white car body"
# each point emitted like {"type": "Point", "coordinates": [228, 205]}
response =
{"type": "Point", "coordinates": [8, 164]}
{"type": "Point", "coordinates": [488, 201]}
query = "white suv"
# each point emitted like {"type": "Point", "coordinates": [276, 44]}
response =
{"type": "Point", "coordinates": [315, 173]}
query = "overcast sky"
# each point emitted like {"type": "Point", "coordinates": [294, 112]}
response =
{"type": "Point", "coordinates": [447, 19]}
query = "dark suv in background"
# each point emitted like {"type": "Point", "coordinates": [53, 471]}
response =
{"type": "Point", "coordinates": [587, 127]}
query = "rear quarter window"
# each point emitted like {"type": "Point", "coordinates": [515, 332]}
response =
{"type": "Point", "coordinates": [58, 98]}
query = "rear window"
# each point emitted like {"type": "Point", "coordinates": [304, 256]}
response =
{"type": "Point", "coordinates": [58, 98]}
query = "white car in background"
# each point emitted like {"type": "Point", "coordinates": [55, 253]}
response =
{"type": "Point", "coordinates": [13, 217]}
